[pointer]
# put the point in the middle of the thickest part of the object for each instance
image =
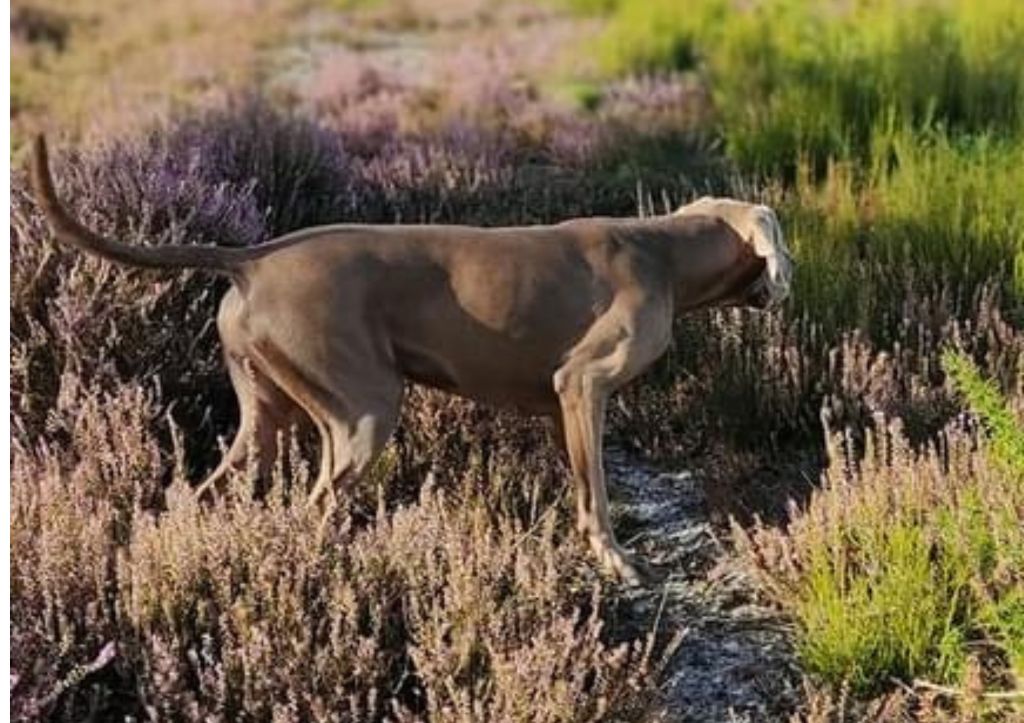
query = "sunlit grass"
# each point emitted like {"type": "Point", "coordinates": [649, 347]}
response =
{"type": "Point", "coordinates": [928, 208]}
{"type": "Point", "coordinates": [123, 64]}
{"type": "Point", "coordinates": [792, 77]}
{"type": "Point", "coordinates": [908, 564]}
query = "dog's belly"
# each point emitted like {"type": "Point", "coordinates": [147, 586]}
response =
{"type": "Point", "coordinates": [506, 359]}
{"type": "Point", "coordinates": [509, 380]}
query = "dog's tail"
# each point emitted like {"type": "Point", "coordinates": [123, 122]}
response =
{"type": "Point", "coordinates": [69, 231]}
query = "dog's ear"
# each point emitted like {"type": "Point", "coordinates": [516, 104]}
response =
{"type": "Point", "coordinates": [692, 205]}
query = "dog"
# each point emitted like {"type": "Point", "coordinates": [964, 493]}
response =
{"type": "Point", "coordinates": [326, 324]}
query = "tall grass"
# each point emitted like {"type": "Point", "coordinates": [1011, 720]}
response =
{"type": "Point", "coordinates": [927, 208]}
{"type": "Point", "coordinates": [908, 563]}
{"type": "Point", "coordinates": [792, 76]}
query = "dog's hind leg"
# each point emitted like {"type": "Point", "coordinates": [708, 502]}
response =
{"type": "Point", "coordinates": [355, 409]}
{"type": "Point", "coordinates": [355, 438]}
{"type": "Point", "coordinates": [265, 412]}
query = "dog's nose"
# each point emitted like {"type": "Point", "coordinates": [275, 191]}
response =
{"type": "Point", "coordinates": [758, 295]}
{"type": "Point", "coordinates": [762, 300]}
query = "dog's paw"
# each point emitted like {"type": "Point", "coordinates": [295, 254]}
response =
{"type": "Point", "coordinates": [643, 574]}
{"type": "Point", "coordinates": [629, 570]}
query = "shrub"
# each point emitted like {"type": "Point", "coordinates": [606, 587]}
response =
{"type": "Point", "coordinates": [453, 606]}
{"type": "Point", "coordinates": [901, 561]}
{"type": "Point", "coordinates": [300, 173]}
{"type": "Point", "coordinates": [755, 424]}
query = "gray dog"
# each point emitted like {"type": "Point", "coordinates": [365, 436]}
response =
{"type": "Point", "coordinates": [325, 324]}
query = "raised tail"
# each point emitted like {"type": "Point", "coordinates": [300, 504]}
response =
{"type": "Point", "coordinates": [69, 231]}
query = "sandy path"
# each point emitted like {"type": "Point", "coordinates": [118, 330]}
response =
{"type": "Point", "coordinates": [735, 661]}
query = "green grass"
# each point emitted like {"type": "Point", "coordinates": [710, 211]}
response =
{"type": "Point", "coordinates": [984, 399]}
{"type": "Point", "coordinates": [910, 564]}
{"type": "Point", "coordinates": [928, 210]}
{"type": "Point", "coordinates": [908, 570]}
{"type": "Point", "coordinates": [896, 617]}
{"type": "Point", "coordinates": [792, 77]}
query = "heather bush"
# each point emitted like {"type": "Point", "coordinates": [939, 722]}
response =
{"type": "Point", "coordinates": [755, 424]}
{"type": "Point", "coordinates": [902, 562]}
{"type": "Point", "coordinates": [498, 137]}
{"type": "Point", "coordinates": [73, 506]}
{"type": "Point", "coordinates": [299, 172]}
{"type": "Point", "coordinates": [454, 606]}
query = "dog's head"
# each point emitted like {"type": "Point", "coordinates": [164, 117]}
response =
{"type": "Point", "coordinates": [759, 228]}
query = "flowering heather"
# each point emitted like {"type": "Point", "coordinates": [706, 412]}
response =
{"type": "Point", "coordinates": [875, 419]}
{"type": "Point", "coordinates": [299, 172]}
{"type": "Point", "coordinates": [656, 104]}
{"type": "Point", "coordinates": [459, 604]}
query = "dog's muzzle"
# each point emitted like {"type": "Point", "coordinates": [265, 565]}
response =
{"type": "Point", "coordinates": [757, 296]}
{"type": "Point", "coordinates": [766, 294]}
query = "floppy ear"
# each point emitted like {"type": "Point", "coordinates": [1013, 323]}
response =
{"type": "Point", "coordinates": [768, 243]}
{"type": "Point", "coordinates": [692, 206]}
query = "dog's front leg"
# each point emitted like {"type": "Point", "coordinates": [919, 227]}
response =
{"type": "Point", "coordinates": [619, 346]}
{"type": "Point", "coordinates": [583, 417]}
{"type": "Point", "coordinates": [581, 489]}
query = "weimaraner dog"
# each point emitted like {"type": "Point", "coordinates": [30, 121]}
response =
{"type": "Point", "coordinates": [325, 324]}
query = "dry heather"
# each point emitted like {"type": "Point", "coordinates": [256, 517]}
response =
{"type": "Point", "coordinates": [466, 603]}
{"type": "Point", "coordinates": [874, 474]}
